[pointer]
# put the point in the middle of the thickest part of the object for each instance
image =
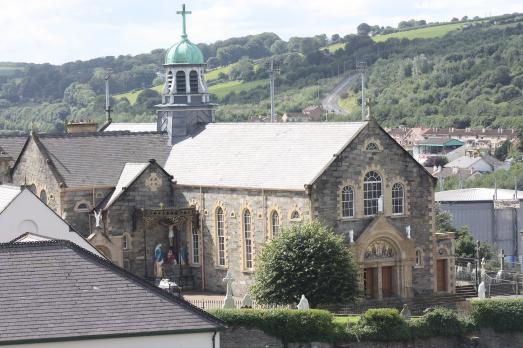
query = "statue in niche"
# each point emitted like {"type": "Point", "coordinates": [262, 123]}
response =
{"type": "Point", "coordinates": [158, 261]}
{"type": "Point", "coordinates": [171, 257]}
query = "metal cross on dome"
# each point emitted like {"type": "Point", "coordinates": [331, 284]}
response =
{"type": "Point", "coordinates": [183, 12]}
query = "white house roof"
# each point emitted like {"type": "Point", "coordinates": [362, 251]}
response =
{"type": "Point", "coordinates": [284, 156]}
{"type": "Point", "coordinates": [7, 194]}
{"type": "Point", "coordinates": [476, 194]}
{"type": "Point", "coordinates": [131, 127]}
{"type": "Point", "coordinates": [129, 173]}
{"type": "Point", "coordinates": [463, 162]}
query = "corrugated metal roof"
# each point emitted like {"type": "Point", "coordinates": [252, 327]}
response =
{"type": "Point", "coordinates": [259, 155]}
{"type": "Point", "coordinates": [7, 194]}
{"type": "Point", "coordinates": [129, 173]}
{"type": "Point", "coordinates": [131, 127]}
{"type": "Point", "coordinates": [476, 194]}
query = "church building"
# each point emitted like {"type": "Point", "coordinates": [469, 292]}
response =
{"type": "Point", "coordinates": [198, 198]}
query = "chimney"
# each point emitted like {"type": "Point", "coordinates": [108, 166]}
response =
{"type": "Point", "coordinates": [81, 126]}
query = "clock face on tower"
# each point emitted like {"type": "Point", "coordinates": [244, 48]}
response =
{"type": "Point", "coordinates": [153, 182]}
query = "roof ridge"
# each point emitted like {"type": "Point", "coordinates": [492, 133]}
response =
{"type": "Point", "coordinates": [97, 134]}
{"type": "Point", "coordinates": [113, 267]}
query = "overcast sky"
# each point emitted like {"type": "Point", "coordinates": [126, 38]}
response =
{"type": "Point", "coordinates": [57, 31]}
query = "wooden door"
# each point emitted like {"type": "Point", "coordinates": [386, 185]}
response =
{"type": "Point", "coordinates": [386, 281]}
{"type": "Point", "coordinates": [368, 279]}
{"type": "Point", "coordinates": [441, 275]}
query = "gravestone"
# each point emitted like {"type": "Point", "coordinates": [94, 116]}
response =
{"type": "Point", "coordinates": [405, 312]}
{"type": "Point", "coordinates": [304, 303]}
{"type": "Point", "coordinates": [228, 303]}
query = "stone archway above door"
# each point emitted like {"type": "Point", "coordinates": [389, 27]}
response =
{"type": "Point", "coordinates": [389, 255]}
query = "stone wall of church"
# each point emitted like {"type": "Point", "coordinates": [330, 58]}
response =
{"type": "Point", "coordinates": [77, 205]}
{"type": "Point", "coordinates": [394, 165]}
{"type": "Point", "coordinates": [33, 169]}
{"type": "Point", "coordinates": [234, 202]}
{"type": "Point", "coordinates": [120, 217]}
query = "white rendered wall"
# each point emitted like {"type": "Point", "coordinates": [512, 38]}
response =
{"type": "Point", "coordinates": [26, 213]}
{"type": "Point", "coordinates": [195, 340]}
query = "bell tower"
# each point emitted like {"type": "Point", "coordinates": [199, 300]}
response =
{"type": "Point", "coordinates": [185, 103]}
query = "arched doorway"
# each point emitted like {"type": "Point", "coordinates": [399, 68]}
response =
{"type": "Point", "coordinates": [381, 262]}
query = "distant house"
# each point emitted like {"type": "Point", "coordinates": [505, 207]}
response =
{"type": "Point", "coordinates": [434, 147]}
{"type": "Point", "coordinates": [309, 114]}
{"type": "Point", "coordinates": [56, 294]}
{"type": "Point", "coordinates": [24, 217]}
{"type": "Point", "coordinates": [492, 216]}
{"type": "Point", "coordinates": [482, 163]}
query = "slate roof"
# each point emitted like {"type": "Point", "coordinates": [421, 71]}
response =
{"type": "Point", "coordinates": [131, 127]}
{"type": "Point", "coordinates": [475, 195]}
{"type": "Point", "coordinates": [129, 173]}
{"type": "Point", "coordinates": [58, 291]}
{"type": "Point", "coordinates": [284, 156]}
{"type": "Point", "coordinates": [13, 144]}
{"type": "Point", "coordinates": [97, 158]}
{"type": "Point", "coordinates": [7, 194]}
{"type": "Point", "coordinates": [464, 162]}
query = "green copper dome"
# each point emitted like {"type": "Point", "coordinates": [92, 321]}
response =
{"type": "Point", "coordinates": [184, 52]}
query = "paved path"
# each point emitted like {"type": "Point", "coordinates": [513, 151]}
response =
{"type": "Point", "coordinates": [330, 102]}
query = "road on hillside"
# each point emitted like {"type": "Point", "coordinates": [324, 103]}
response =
{"type": "Point", "coordinates": [330, 102]}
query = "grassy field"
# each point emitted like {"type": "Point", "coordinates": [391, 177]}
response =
{"type": "Point", "coordinates": [332, 48]}
{"type": "Point", "coordinates": [422, 33]}
{"type": "Point", "coordinates": [213, 74]}
{"type": "Point", "coordinates": [350, 103]}
{"type": "Point", "coordinates": [220, 89]}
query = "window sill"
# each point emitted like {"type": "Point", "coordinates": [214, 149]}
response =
{"type": "Point", "coordinates": [195, 265]}
{"type": "Point", "coordinates": [221, 268]}
{"type": "Point", "coordinates": [398, 216]}
{"type": "Point", "coordinates": [248, 271]}
{"type": "Point", "coordinates": [352, 218]}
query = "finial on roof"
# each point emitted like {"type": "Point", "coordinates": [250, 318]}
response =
{"type": "Point", "coordinates": [183, 12]}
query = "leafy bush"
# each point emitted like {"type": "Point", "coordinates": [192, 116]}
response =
{"type": "Point", "coordinates": [383, 324]}
{"type": "Point", "coordinates": [306, 259]}
{"type": "Point", "coordinates": [502, 315]}
{"type": "Point", "coordinates": [437, 322]}
{"type": "Point", "coordinates": [288, 325]}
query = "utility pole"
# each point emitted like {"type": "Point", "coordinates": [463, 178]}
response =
{"type": "Point", "coordinates": [107, 96]}
{"type": "Point", "coordinates": [362, 68]}
{"type": "Point", "coordinates": [272, 73]}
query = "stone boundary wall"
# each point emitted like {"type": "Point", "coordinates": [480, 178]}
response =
{"type": "Point", "coordinates": [241, 337]}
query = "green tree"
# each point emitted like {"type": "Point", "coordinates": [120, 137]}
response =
{"type": "Point", "coordinates": [502, 151]}
{"type": "Point", "coordinates": [363, 29]}
{"type": "Point", "coordinates": [306, 259]}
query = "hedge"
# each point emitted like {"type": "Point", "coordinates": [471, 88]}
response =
{"type": "Point", "coordinates": [377, 324]}
{"type": "Point", "coordinates": [503, 315]}
{"type": "Point", "coordinates": [288, 325]}
{"type": "Point", "coordinates": [437, 322]}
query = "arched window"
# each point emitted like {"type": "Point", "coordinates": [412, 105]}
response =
{"type": "Point", "coordinates": [125, 242]}
{"type": "Point", "coordinates": [195, 245]}
{"type": "Point", "coordinates": [181, 86]}
{"type": "Point", "coordinates": [372, 147]}
{"type": "Point", "coordinates": [419, 257]}
{"type": "Point", "coordinates": [398, 199]}
{"type": "Point", "coordinates": [371, 193]}
{"type": "Point", "coordinates": [220, 233]}
{"type": "Point", "coordinates": [295, 215]}
{"type": "Point", "coordinates": [82, 206]}
{"type": "Point", "coordinates": [43, 196]}
{"type": "Point", "coordinates": [170, 79]}
{"type": "Point", "coordinates": [347, 202]}
{"type": "Point", "coordinates": [193, 81]}
{"type": "Point", "coordinates": [247, 238]}
{"type": "Point", "coordinates": [275, 224]}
